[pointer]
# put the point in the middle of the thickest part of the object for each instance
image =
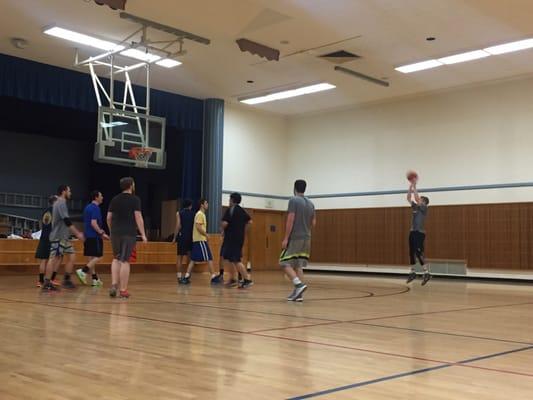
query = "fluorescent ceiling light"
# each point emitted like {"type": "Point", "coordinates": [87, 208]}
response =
{"type": "Point", "coordinates": [168, 63]}
{"type": "Point", "coordinates": [112, 124]}
{"type": "Point", "coordinates": [419, 66]}
{"type": "Point", "coordinates": [509, 47]}
{"type": "Point", "coordinates": [83, 39]}
{"type": "Point", "coordinates": [140, 55]}
{"type": "Point", "coordinates": [289, 93]}
{"type": "Point", "coordinates": [468, 56]}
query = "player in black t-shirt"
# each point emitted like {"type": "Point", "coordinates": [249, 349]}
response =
{"type": "Point", "coordinates": [234, 225]}
{"type": "Point", "coordinates": [124, 217]}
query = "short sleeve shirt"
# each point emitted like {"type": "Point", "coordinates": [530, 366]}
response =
{"type": "Point", "coordinates": [123, 207]}
{"type": "Point", "coordinates": [200, 219]}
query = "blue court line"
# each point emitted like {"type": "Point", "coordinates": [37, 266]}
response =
{"type": "Point", "coordinates": [404, 374]}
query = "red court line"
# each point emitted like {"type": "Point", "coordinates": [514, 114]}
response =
{"type": "Point", "coordinates": [295, 327]}
{"type": "Point", "coordinates": [441, 311]}
{"type": "Point", "coordinates": [241, 310]}
{"type": "Point", "coordinates": [268, 336]}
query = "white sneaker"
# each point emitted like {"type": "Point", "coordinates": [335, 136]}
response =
{"type": "Point", "coordinates": [98, 282]}
{"type": "Point", "coordinates": [82, 276]}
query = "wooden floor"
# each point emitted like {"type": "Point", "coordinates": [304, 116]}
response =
{"type": "Point", "coordinates": [353, 338]}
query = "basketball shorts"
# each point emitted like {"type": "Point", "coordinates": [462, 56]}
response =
{"type": "Point", "coordinates": [201, 252]}
{"type": "Point", "coordinates": [296, 254]}
{"type": "Point", "coordinates": [123, 247]}
{"type": "Point", "coordinates": [59, 248]}
{"type": "Point", "coordinates": [93, 247]}
{"type": "Point", "coordinates": [184, 245]}
{"type": "Point", "coordinates": [231, 252]}
{"type": "Point", "coordinates": [43, 249]}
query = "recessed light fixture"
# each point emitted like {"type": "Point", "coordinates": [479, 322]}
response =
{"type": "Point", "coordinates": [82, 39]}
{"type": "Point", "coordinates": [168, 63]}
{"type": "Point", "coordinates": [107, 45]}
{"type": "Point", "coordinates": [250, 81]}
{"type": "Point", "coordinates": [430, 38]}
{"type": "Point", "coordinates": [140, 55]}
{"type": "Point", "coordinates": [510, 47]}
{"type": "Point", "coordinates": [419, 66]}
{"type": "Point", "coordinates": [288, 93]}
{"type": "Point", "coordinates": [284, 42]}
{"type": "Point", "coordinates": [468, 56]}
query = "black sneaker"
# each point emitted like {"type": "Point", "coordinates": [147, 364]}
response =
{"type": "Point", "coordinates": [48, 287]}
{"type": "Point", "coordinates": [186, 280]}
{"type": "Point", "coordinates": [426, 278]}
{"type": "Point", "coordinates": [68, 284]}
{"type": "Point", "coordinates": [411, 277]}
{"type": "Point", "coordinates": [216, 280]}
{"type": "Point", "coordinates": [113, 291]}
{"type": "Point", "coordinates": [246, 284]}
{"type": "Point", "coordinates": [297, 292]}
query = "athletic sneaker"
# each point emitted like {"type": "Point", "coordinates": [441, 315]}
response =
{"type": "Point", "coordinates": [297, 292]}
{"type": "Point", "coordinates": [426, 278]}
{"type": "Point", "coordinates": [113, 291]}
{"type": "Point", "coordinates": [300, 298]}
{"type": "Point", "coordinates": [217, 280]}
{"type": "Point", "coordinates": [124, 294]}
{"type": "Point", "coordinates": [82, 276]}
{"type": "Point", "coordinates": [246, 284]}
{"type": "Point", "coordinates": [186, 280]}
{"type": "Point", "coordinates": [231, 283]}
{"type": "Point", "coordinates": [97, 282]}
{"type": "Point", "coordinates": [48, 287]}
{"type": "Point", "coordinates": [411, 277]}
{"type": "Point", "coordinates": [67, 284]}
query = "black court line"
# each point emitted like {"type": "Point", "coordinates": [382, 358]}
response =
{"type": "Point", "coordinates": [404, 374]}
{"type": "Point", "coordinates": [443, 333]}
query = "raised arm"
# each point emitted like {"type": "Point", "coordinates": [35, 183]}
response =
{"type": "Point", "coordinates": [415, 194]}
{"type": "Point", "coordinates": [410, 194]}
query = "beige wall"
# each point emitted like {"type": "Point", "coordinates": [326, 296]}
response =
{"type": "Point", "coordinates": [255, 155]}
{"type": "Point", "coordinates": [472, 136]}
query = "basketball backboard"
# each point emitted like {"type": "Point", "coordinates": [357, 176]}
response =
{"type": "Point", "coordinates": [122, 133]}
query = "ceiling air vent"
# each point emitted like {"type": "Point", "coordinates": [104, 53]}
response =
{"type": "Point", "coordinates": [340, 57]}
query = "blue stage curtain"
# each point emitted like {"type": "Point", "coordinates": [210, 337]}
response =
{"type": "Point", "coordinates": [42, 83]}
{"type": "Point", "coordinates": [192, 165]}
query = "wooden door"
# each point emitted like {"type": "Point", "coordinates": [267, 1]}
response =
{"type": "Point", "coordinates": [266, 236]}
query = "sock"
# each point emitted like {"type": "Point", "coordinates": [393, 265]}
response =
{"type": "Point", "coordinates": [296, 281]}
{"type": "Point", "coordinates": [178, 274]}
{"type": "Point", "coordinates": [187, 275]}
{"type": "Point", "coordinates": [54, 274]}
{"type": "Point", "coordinates": [95, 277]}
{"type": "Point", "coordinates": [213, 276]}
{"type": "Point", "coordinates": [41, 278]}
{"type": "Point", "coordinates": [67, 277]}
{"type": "Point", "coordinates": [221, 272]}
{"type": "Point", "coordinates": [85, 269]}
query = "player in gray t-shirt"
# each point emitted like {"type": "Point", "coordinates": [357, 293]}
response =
{"type": "Point", "coordinates": [60, 245]}
{"type": "Point", "coordinates": [297, 242]}
{"type": "Point", "coordinates": [417, 236]}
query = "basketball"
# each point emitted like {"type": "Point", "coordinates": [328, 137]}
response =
{"type": "Point", "coordinates": [412, 176]}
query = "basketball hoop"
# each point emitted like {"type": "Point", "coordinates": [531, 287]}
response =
{"type": "Point", "coordinates": [141, 155]}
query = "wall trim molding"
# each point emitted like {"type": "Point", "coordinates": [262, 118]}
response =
{"type": "Point", "coordinates": [392, 191]}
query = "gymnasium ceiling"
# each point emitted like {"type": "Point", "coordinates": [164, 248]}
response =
{"type": "Point", "coordinates": [384, 33]}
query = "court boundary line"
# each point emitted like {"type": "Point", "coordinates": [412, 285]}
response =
{"type": "Point", "coordinates": [408, 373]}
